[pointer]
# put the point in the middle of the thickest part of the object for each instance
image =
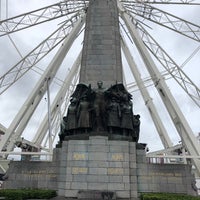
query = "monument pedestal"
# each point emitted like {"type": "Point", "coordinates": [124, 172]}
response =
{"type": "Point", "coordinates": [103, 168]}
{"type": "Point", "coordinates": [97, 164]}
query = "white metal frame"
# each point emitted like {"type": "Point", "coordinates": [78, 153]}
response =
{"type": "Point", "coordinates": [146, 96]}
{"type": "Point", "coordinates": [172, 107]}
{"type": "Point", "coordinates": [19, 123]}
{"type": "Point", "coordinates": [14, 131]}
{"type": "Point", "coordinates": [58, 101]}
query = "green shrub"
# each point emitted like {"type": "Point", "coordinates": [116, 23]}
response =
{"type": "Point", "coordinates": [22, 194]}
{"type": "Point", "coordinates": [167, 196]}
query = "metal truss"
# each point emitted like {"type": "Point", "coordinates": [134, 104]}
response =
{"type": "Point", "coordinates": [74, 12]}
{"type": "Point", "coordinates": [182, 2]}
{"type": "Point", "coordinates": [146, 11]}
{"type": "Point", "coordinates": [42, 15]}
{"type": "Point", "coordinates": [39, 52]}
{"type": "Point", "coordinates": [146, 96]}
{"type": "Point", "coordinates": [170, 66]}
{"type": "Point", "coordinates": [56, 111]}
{"type": "Point", "coordinates": [19, 123]}
{"type": "Point", "coordinates": [168, 63]}
{"type": "Point", "coordinates": [180, 123]}
{"type": "Point", "coordinates": [164, 151]}
{"type": "Point", "coordinates": [41, 138]}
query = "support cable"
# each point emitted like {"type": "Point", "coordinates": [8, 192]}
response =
{"type": "Point", "coordinates": [49, 117]}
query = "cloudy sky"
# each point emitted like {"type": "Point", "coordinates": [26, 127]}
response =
{"type": "Point", "coordinates": [178, 47]}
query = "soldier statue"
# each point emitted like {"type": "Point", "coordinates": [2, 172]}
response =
{"type": "Point", "coordinates": [113, 115]}
{"type": "Point", "coordinates": [136, 126]}
{"type": "Point", "coordinates": [83, 113]}
{"type": "Point", "coordinates": [100, 110]}
{"type": "Point", "coordinates": [99, 107]}
{"type": "Point", "coordinates": [127, 118]}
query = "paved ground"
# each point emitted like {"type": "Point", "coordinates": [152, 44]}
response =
{"type": "Point", "coordinates": [55, 198]}
{"type": "Point", "coordinates": [62, 198]}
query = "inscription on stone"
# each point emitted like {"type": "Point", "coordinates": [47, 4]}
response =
{"type": "Point", "coordinates": [79, 156]}
{"type": "Point", "coordinates": [117, 157]}
{"type": "Point", "coordinates": [118, 171]}
{"type": "Point", "coordinates": [79, 170]}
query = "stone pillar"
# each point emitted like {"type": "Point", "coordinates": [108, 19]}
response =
{"type": "Point", "coordinates": [97, 164]}
{"type": "Point", "coordinates": [101, 58]}
{"type": "Point", "coordinates": [133, 170]}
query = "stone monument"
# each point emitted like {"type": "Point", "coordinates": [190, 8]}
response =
{"type": "Point", "coordinates": [101, 105]}
{"type": "Point", "coordinates": [98, 155]}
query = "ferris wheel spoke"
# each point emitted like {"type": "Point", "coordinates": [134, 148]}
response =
{"type": "Point", "coordinates": [32, 58]}
{"type": "Point", "coordinates": [182, 2]}
{"type": "Point", "coordinates": [62, 99]}
{"type": "Point", "coordinates": [165, 19]}
{"type": "Point", "coordinates": [170, 65]}
{"type": "Point", "coordinates": [25, 113]}
{"type": "Point", "coordinates": [39, 16]}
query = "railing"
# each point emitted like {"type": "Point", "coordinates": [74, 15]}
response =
{"type": "Point", "coordinates": [172, 159]}
{"type": "Point", "coordinates": [31, 156]}
{"type": "Point", "coordinates": [156, 160]}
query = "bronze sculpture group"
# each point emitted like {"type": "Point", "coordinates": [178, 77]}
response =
{"type": "Point", "coordinates": [99, 110]}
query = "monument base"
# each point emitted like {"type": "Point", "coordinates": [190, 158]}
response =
{"type": "Point", "coordinates": [109, 169]}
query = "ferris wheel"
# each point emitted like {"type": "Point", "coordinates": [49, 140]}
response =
{"type": "Point", "coordinates": [41, 56]}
